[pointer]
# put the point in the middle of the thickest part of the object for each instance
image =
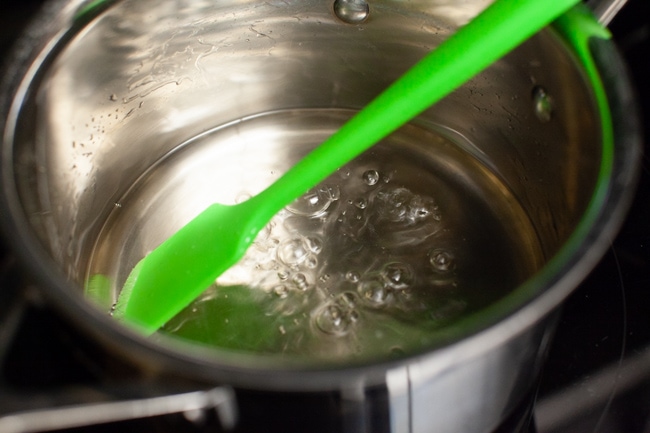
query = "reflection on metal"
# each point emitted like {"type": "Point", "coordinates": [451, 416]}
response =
{"type": "Point", "coordinates": [606, 10]}
{"type": "Point", "coordinates": [219, 399]}
{"type": "Point", "coordinates": [399, 392]}
{"type": "Point", "coordinates": [109, 110]}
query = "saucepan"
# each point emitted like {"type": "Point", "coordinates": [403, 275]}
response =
{"type": "Point", "coordinates": [416, 289]}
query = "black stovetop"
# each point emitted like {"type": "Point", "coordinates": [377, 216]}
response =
{"type": "Point", "coordinates": [598, 375]}
{"type": "Point", "coordinates": [597, 378]}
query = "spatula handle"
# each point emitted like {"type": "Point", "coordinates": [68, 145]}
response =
{"type": "Point", "coordinates": [496, 31]}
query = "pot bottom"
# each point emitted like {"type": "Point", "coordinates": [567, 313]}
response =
{"type": "Point", "coordinates": [375, 262]}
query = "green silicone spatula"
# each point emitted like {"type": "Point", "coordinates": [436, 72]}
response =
{"type": "Point", "coordinates": [175, 273]}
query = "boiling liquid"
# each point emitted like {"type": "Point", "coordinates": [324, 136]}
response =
{"type": "Point", "coordinates": [374, 262]}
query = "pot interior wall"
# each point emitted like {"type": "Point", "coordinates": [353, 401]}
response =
{"type": "Point", "coordinates": [115, 142]}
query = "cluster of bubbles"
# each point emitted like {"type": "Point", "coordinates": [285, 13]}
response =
{"type": "Point", "coordinates": [358, 244]}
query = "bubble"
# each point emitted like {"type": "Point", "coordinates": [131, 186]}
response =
{"type": "Point", "coordinates": [370, 177]}
{"type": "Point", "coordinates": [314, 202]}
{"type": "Point", "coordinates": [361, 203]}
{"type": "Point", "coordinates": [292, 252]}
{"type": "Point", "coordinates": [351, 11]}
{"type": "Point", "coordinates": [311, 262]}
{"type": "Point", "coordinates": [347, 299]}
{"type": "Point", "coordinates": [331, 319]}
{"type": "Point", "coordinates": [314, 244]}
{"type": "Point", "coordinates": [441, 260]}
{"type": "Point", "coordinates": [300, 281]}
{"type": "Point", "coordinates": [281, 291]}
{"type": "Point", "coordinates": [373, 292]}
{"type": "Point", "coordinates": [397, 275]}
{"type": "Point", "coordinates": [352, 276]}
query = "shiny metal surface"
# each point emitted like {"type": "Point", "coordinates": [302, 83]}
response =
{"type": "Point", "coordinates": [96, 102]}
{"type": "Point", "coordinates": [144, 90]}
{"type": "Point", "coordinates": [191, 404]}
{"type": "Point", "coordinates": [606, 10]}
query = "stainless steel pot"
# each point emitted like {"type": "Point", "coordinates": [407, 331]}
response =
{"type": "Point", "coordinates": [100, 94]}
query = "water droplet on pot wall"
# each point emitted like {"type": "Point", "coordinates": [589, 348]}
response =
{"type": "Point", "coordinates": [542, 104]}
{"type": "Point", "coordinates": [351, 11]}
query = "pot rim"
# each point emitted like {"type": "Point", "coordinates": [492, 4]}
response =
{"type": "Point", "coordinates": [508, 317]}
